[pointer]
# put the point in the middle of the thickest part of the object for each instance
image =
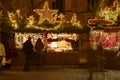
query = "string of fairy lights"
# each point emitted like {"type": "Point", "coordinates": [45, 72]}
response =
{"type": "Point", "coordinates": [106, 15]}
{"type": "Point", "coordinates": [49, 20]}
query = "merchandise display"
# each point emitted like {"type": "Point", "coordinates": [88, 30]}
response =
{"type": "Point", "coordinates": [110, 40]}
{"type": "Point", "coordinates": [54, 42]}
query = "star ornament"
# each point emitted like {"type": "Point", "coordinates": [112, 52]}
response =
{"type": "Point", "coordinates": [46, 13]}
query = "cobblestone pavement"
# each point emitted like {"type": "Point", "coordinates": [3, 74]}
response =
{"type": "Point", "coordinates": [58, 74]}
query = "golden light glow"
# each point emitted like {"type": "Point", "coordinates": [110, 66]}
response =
{"type": "Point", "coordinates": [31, 21]}
{"type": "Point", "coordinates": [14, 17]}
{"type": "Point", "coordinates": [109, 12]}
{"type": "Point", "coordinates": [74, 20]}
{"type": "Point", "coordinates": [101, 22]}
{"type": "Point", "coordinates": [49, 20]}
{"type": "Point", "coordinates": [61, 17]}
{"type": "Point", "coordinates": [45, 13]}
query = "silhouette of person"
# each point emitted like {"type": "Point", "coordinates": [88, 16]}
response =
{"type": "Point", "coordinates": [28, 51]}
{"type": "Point", "coordinates": [100, 56]}
{"type": "Point", "coordinates": [39, 46]}
{"type": "Point", "coordinates": [74, 43]}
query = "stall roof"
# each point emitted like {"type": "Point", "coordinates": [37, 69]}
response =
{"type": "Point", "coordinates": [48, 21]}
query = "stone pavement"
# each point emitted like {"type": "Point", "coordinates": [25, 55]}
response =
{"type": "Point", "coordinates": [58, 74]}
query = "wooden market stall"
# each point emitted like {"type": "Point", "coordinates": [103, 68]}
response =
{"type": "Point", "coordinates": [105, 30]}
{"type": "Point", "coordinates": [110, 39]}
{"type": "Point", "coordinates": [108, 33]}
{"type": "Point", "coordinates": [56, 33]}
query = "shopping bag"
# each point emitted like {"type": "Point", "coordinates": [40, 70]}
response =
{"type": "Point", "coordinates": [118, 54]}
{"type": "Point", "coordinates": [3, 61]}
{"type": "Point", "coordinates": [8, 61]}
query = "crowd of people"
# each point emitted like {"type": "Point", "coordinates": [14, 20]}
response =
{"type": "Point", "coordinates": [7, 49]}
{"type": "Point", "coordinates": [96, 57]}
{"type": "Point", "coordinates": [29, 49]}
{"type": "Point", "coordinates": [37, 49]}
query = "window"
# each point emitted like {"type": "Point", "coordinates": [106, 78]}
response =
{"type": "Point", "coordinates": [58, 4]}
{"type": "Point", "coordinates": [93, 4]}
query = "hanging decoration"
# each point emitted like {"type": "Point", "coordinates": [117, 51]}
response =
{"type": "Point", "coordinates": [101, 22]}
{"type": "Point", "coordinates": [109, 12]}
{"type": "Point", "coordinates": [74, 20]}
{"type": "Point", "coordinates": [15, 18]}
{"type": "Point", "coordinates": [49, 21]}
{"type": "Point", "coordinates": [31, 21]}
{"type": "Point", "coordinates": [107, 15]}
{"type": "Point", "coordinates": [46, 13]}
{"type": "Point", "coordinates": [61, 17]}
{"type": "Point", "coordinates": [5, 26]}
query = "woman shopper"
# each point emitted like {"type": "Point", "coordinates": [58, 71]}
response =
{"type": "Point", "coordinates": [39, 46]}
{"type": "Point", "coordinates": [2, 52]}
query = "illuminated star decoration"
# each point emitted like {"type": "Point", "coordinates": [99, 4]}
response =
{"type": "Point", "coordinates": [45, 13]}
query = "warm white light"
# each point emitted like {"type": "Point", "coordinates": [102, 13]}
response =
{"type": "Point", "coordinates": [46, 13]}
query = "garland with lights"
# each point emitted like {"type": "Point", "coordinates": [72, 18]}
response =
{"type": "Point", "coordinates": [55, 28]}
{"type": "Point", "coordinates": [106, 16]}
{"type": "Point", "coordinates": [49, 21]}
{"type": "Point", "coordinates": [5, 26]}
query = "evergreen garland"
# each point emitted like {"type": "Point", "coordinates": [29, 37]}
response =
{"type": "Point", "coordinates": [5, 26]}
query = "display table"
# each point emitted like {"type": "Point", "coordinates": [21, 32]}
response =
{"type": "Point", "coordinates": [111, 59]}
{"type": "Point", "coordinates": [51, 59]}
{"type": "Point", "coordinates": [61, 58]}
{"type": "Point", "coordinates": [66, 59]}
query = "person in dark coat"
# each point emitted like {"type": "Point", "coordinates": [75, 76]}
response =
{"type": "Point", "coordinates": [39, 46]}
{"type": "Point", "coordinates": [28, 51]}
{"type": "Point", "coordinates": [92, 56]}
{"type": "Point", "coordinates": [74, 43]}
{"type": "Point", "coordinates": [91, 60]}
{"type": "Point", "coordinates": [100, 56]}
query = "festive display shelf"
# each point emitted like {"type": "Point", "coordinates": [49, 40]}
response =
{"type": "Point", "coordinates": [108, 36]}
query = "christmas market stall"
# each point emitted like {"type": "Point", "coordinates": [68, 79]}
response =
{"type": "Point", "coordinates": [61, 37]}
{"type": "Point", "coordinates": [105, 29]}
